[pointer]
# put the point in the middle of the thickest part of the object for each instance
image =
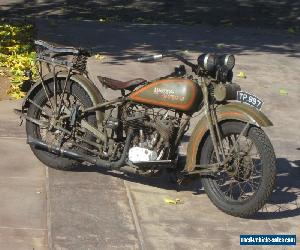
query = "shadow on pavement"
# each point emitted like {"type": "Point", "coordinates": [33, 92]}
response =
{"type": "Point", "coordinates": [255, 13]}
{"type": "Point", "coordinates": [163, 181]}
{"type": "Point", "coordinates": [283, 202]}
{"type": "Point", "coordinates": [129, 41]}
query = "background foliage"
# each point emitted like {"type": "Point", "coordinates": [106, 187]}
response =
{"type": "Point", "coordinates": [17, 53]}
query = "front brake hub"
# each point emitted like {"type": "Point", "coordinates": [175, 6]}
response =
{"type": "Point", "coordinates": [246, 165]}
{"type": "Point", "coordinates": [243, 168]}
{"type": "Point", "coordinates": [231, 167]}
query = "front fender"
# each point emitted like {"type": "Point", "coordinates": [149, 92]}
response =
{"type": "Point", "coordinates": [84, 82]}
{"type": "Point", "coordinates": [230, 111]}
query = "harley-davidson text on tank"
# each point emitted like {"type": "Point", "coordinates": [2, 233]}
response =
{"type": "Point", "coordinates": [168, 94]}
{"type": "Point", "coordinates": [177, 93]}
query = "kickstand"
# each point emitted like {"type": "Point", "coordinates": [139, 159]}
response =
{"type": "Point", "coordinates": [21, 121]}
{"type": "Point", "coordinates": [179, 181]}
{"type": "Point", "coordinates": [20, 113]}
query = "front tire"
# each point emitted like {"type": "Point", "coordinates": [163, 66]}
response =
{"type": "Point", "coordinates": [251, 199]}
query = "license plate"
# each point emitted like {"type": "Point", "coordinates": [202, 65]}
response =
{"type": "Point", "coordinates": [249, 99]}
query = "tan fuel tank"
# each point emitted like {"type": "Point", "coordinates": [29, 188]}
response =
{"type": "Point", "coordinates": [175, 93]}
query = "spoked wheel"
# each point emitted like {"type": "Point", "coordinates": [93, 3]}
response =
{"type": "Point", "coordinates": [42, 108]}
{"type": "Point", "coordinates": [243, 187]}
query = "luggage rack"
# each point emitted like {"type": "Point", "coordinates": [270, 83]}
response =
{"type": "Point", "coordinates": [55, 58]}
{"type": "Point", "coordinates": [67, 57]}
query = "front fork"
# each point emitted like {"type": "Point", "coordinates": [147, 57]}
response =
{"type": "Point", "coordinates": [213, 125]}
{"type": "Point", "coordinates": [214, 128]}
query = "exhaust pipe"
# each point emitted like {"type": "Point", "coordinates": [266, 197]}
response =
{"type": "Point", "coordinates": [116, 165]}
{"type": "Point", "coordinates": [39, 144]}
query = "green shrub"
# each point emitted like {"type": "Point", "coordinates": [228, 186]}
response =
{"type": "Point", "coordinates": [17, 53]}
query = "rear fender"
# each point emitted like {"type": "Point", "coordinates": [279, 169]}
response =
{"type": "Point", "coordinates": [230, 111]}
{"type": "Point", "coordinates": [84, 82]}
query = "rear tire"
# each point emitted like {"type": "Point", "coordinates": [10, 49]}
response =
{"type": "Point", "coordinates": [243, 208]}
{"type": "Point", "coordinates": [33, 130]}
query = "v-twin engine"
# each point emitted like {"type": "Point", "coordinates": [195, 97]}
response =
{"type": "Point", "coordinates": [154, 131]}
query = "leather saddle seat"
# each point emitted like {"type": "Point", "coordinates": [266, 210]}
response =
{"type": "Point", "coordinates": [118, 85]}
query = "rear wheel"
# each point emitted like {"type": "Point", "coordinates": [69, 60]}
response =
{"type": "Point", "coordinates": [42, 110]}
{"type": "Point", "coordinates": [245, 186]}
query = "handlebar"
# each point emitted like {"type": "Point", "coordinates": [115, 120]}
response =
{"type": "Point", "coordinates": [150, 58]}
{"type": "Point", "coordinates": [167, 54]}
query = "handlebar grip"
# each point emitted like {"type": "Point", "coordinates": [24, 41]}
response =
{"type": "Point", "coordinates": [150, 58]}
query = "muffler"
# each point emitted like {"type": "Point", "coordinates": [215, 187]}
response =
{"type": "Point", "coordinates": [39, 144]}
{"type": "Point", "coordinates": [116, 165]}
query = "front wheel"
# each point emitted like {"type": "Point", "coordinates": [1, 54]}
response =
{"type": "Point", "coordinates": [245, 186]}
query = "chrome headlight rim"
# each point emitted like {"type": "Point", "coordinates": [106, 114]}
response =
{"type": "Point", "coordinates": [208, 62]}
{"type": "Point", "coordinates": [229, 61]}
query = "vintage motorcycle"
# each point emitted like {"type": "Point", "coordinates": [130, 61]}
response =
{"type": "Point", "coordinates": [69, 122]}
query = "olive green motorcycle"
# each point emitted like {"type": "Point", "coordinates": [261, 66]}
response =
{"type": "Point", "coordinates": [69, 122]}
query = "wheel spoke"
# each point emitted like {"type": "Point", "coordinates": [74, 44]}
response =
{"type": "Point", "coordinates": [244, 178]}
{"type": "Point", "coordinates": [253, 184]}
{"type": "Point", "coordinates": [39, 107]}
{"type": "Point", "coordinates": [63, 92]}
{"type": "Point", "coordinates": [229, 190]}
{"type": "Point", "coordinates": [46, 92]}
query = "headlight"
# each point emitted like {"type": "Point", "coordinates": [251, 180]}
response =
{"type": "Point", "coordinates": [207, 62]}
{"type": "Point", "coordinates": [227, 60]}
{"type": "Point", "coordinates": [211, 62]}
